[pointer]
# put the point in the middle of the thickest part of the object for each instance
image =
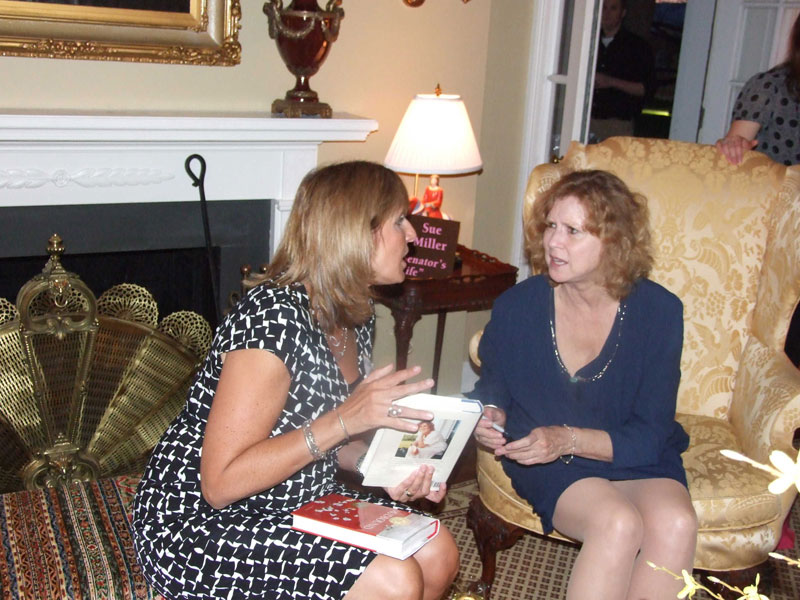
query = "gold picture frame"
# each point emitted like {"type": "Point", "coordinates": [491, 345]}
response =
{"type": "Point", "coordinates": [205, 34]}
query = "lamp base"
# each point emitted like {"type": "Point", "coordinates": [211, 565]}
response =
{"type": "Point", "coordinates": [295, 109]}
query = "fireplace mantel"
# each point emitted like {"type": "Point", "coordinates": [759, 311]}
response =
{"type": "Point", "coordinates": [60, 159]}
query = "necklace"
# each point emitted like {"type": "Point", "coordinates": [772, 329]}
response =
{"type": "Point", "coordinates": [577, 378]}
{"type": "Point", "coordinates": [335, 343]}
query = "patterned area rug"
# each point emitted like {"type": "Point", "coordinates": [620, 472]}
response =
{"type": "Point", "coordinates": [70, 543]}
{"type": "Point", "coordinates": [74, 543]}
{"type": "Point", "coordinates": [539, 568]}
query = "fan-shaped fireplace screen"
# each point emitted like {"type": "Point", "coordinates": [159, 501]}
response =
{"type": "Point", "coordinates": [88, 385]}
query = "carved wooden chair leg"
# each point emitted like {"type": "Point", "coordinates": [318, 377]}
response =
{"type": "Point", "coordinates": [741, 578]}
{"type": "Point", "coordinates": [492, 534]}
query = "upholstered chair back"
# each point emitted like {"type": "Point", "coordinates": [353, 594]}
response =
{"type": "Point", "coordinates": [726, 243]}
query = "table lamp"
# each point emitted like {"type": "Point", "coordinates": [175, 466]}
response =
{"type": "Point", "coordinates": [435, 138]}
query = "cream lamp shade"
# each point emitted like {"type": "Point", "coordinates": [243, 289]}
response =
{"type": "Point", "coordinates": [434, 137]}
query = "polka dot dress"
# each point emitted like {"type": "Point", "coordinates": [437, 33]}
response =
{"type": "Point", "coordinates": [765, 99]}
{"type": "Point", "coordinates": [188, 549]}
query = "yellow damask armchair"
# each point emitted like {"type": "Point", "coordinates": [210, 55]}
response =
{"type": "Point", "coordinates": [727, 242]}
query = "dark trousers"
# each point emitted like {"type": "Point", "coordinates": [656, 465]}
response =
{"type": "Point", "coordinates": [792, 347]}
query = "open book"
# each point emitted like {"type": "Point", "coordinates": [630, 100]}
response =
{"type": "Point", "coordinates": [393, 455]}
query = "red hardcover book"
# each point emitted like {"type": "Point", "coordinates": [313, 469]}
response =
{"type": "Point", "coordinates": [382, 529]}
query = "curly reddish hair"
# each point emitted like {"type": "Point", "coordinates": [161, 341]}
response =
{"type": "Point", "coordinates": [614, 214]}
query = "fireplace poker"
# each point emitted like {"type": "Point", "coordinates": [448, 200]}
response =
{"type": "Point", "coordinates": [199, 181]}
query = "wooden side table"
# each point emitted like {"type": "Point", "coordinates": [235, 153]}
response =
{"type": "Point", "coordinates": [472, 286]}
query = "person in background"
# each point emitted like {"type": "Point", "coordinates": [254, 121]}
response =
{"type": "Point", "coordinates": [279, 404]}
{"type": "Point", "coordinates": [624, 76]}
{"type": "Point", "coordinates": [581, 365]}
{"type": "Point", "coordinates": [766, 117]}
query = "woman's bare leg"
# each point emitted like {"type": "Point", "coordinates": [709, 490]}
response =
{"type": "Point", "coordinates": [596, 513]}
{"type": "Point", "coordinates": [670, 536]}
{"type": "Point", "coordinates": [388, 579]}
{"type": "Point", "coordinates": [424, 576]}
{"type": "Point", "coordinates": [439, 562]}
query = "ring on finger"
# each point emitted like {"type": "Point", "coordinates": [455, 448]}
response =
{"type": "Point", "coordinates": [395, 411]}
{"type": "Point", "coordinates": [409, 493]}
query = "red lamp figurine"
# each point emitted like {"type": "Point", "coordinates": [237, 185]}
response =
{"type": "Point", "coordinates": [434, 138]}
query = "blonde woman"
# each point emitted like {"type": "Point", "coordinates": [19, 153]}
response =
{"type": "Point", "coordinates": [278, 407]}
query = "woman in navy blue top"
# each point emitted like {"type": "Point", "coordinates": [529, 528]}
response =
{"type": "Point", "coordinates": [581, 366]}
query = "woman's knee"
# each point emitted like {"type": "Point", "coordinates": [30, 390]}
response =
{"type": "Point", "coordinates": [389, 579]}
{"type": "Point", "coordinates": [429, 571]}
{"type": "Point", "coordinates": [609, 517]}
{"type": "Point", "coordinates": [403, 581]}
{"type": "Point", "coordinates": [621, 526]}
{"type": "Point", "coordinates": [674, 524]}
{"type": "Point", "coordinates": [439, 559]}
{"type": "Point", "coordinates": [684, 518]}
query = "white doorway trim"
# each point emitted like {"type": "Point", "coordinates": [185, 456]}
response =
{"type": "Point", "coordinates": [543, 79]}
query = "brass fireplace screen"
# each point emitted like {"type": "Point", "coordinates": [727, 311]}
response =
{"type": "Point", "coordinates": [88, 385]}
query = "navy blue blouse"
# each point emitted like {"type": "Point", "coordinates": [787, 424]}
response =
{"type": "Point", "coordinates": [629, 390]}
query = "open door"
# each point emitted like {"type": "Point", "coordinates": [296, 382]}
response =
{"type": "Point", "coordinates": [563, 45]}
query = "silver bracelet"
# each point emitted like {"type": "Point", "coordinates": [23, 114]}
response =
{"type": "Point", "coordinates": [311, 442]}
{"type": "Point", "coordinates": [567, 458]}
{"type": "Point", "coordinates": [341, 422]}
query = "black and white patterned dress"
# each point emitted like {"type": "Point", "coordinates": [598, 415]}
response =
{"type": "Point", "coordinates": [187, 548]}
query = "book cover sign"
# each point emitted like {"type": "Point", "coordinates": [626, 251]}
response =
{"type": "Point", "coordinates": [383, 529]}
{"type": "Point", "coordinates": [433, 254]}
{"type": "Point", "coordinates": [358, 515]}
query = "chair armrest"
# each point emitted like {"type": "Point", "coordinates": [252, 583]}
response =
{"type": "Point", "coordinates": [474, 342]}
{"type": "Point", "coordinates": [765, 410]}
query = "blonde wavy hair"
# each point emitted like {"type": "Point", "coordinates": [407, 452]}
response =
{"type": "Point", "coordinates": [614, 214]}
{"type": "Point", "coordinates": [330, 238]}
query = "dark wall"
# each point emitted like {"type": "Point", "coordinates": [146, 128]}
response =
{"type": "Point", "coordinates": [157, 245]}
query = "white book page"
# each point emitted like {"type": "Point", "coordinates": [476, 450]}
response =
{"type": "Point", "coordinates": [393, 455]}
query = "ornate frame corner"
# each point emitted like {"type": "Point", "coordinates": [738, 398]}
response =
{"type": "Point", "coordinates": [206, 34]}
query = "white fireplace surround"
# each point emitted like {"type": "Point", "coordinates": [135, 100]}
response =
{"type": "Point", "coordinates": [60, 159]}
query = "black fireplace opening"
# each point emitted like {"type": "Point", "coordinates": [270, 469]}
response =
{"type": "Point", "coordinates": [159, 246]}
{"type": "Point", "coordinates": [178, 278]}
